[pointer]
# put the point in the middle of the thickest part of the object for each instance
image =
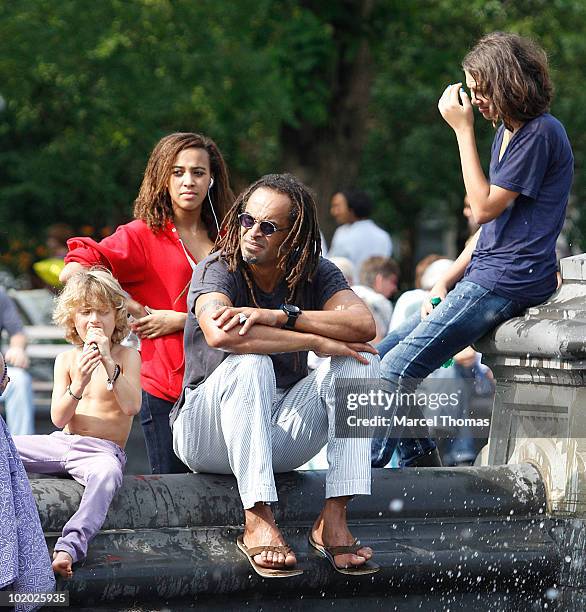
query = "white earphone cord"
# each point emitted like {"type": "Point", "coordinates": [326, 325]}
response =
{"type": "Point", "coordinates": [213, 211]}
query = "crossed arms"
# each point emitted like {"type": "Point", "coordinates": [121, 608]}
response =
{"type": "Point", "coordinates": [343, 327]}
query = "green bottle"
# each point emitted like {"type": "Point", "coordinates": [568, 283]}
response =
{"type": "Point", "coordinates": [435, 301]}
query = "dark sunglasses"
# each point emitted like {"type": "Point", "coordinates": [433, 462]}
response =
{"type": "Point", "coordinates": [266, 227]}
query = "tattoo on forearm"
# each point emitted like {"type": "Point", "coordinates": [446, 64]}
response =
{"type": "Point", "coordinates": [211, 305]}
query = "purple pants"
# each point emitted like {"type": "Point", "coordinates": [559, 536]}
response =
{"type": "Point", "coordinates": [96, 464]}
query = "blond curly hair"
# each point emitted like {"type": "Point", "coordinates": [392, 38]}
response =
{"type": "Point", "coordinates": [91, 288]}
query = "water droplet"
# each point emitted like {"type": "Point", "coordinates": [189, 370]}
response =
{"type": "Point", "coordinates": [552, 593]}
{"type": "Point", "coordinates": [396, 505]}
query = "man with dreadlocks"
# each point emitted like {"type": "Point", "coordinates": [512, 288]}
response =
{"type": "Point", "coordinates": [255, 308]}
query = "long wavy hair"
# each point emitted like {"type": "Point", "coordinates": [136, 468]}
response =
{"type": "Point", "coordinates": [512, 71]}
{"type": "Point", "coordinates": [298, 255]}
{"type": "Point", "coordinates": [153, 204]}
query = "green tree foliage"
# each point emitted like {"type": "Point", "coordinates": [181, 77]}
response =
{"type": "Point", "coordinates": [338, 91]}
{"type": "Point", "coordinates": [411, 162]}
{"type": "Point", "coordinates": [90, 87]}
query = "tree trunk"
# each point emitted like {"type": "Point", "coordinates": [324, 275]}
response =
{"type": "Point", "coordinates": [327, 157]}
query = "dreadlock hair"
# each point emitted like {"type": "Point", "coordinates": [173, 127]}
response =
{"type": "Point", "coordinates": [512, 71]}
{"type": "Point", "coordinates": [153, 204]}
{"type": "Point", "coordinates": [298, 255]}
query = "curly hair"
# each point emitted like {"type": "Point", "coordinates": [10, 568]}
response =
{"type": "Point", "coordinates": [153, 204]}
{"type": "Point", "coordinates": [298, 255]}
{"type": "Point", "coordinates": [511, 71]}
{"type": "Point", "coordinates": [93, 288]}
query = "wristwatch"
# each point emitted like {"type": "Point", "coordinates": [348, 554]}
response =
{"type": "Point", "coordinates": [292, 313]}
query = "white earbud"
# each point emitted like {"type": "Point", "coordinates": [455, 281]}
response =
{"type": "Point", "coordinates": [211, 182]}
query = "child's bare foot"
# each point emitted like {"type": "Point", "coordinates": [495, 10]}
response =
{"type": "Point", "coordinates": [62, 562]}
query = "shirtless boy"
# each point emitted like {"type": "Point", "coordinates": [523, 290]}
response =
{"type": "Point", "coordinates": [95, 395]}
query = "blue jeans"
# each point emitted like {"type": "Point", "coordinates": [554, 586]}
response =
{"type": "Point", "coordinates": [19, 403]}
{"type": "Point", "coordinates": [409, 449]}
{"type": "Point", "coordinates": [154, 418]}
{"type": "Point", "coordinates": [467, 313]}
{"type": "Point", "coordinates": [476, 385]}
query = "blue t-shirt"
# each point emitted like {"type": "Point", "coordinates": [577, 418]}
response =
{"type": "Point", "coordinates": [515, 253]}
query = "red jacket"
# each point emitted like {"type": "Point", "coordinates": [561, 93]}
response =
{"type": "Point", "coordinates": [154, 269]}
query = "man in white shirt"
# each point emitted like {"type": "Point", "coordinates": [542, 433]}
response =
{"type": "Point", "coordinates": [358, 237]}
{"type": "Point", "coordinates": [379, 277]}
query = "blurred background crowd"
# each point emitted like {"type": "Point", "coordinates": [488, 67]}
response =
{"type": "Point", "coordinates": [342, 93]}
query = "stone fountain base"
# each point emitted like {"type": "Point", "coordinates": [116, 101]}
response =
{"type": "Point", "coordinates": [446, 538]}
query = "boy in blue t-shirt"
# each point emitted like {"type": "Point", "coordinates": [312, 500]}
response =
{"type": "Point", "coordinates": [510, 262]}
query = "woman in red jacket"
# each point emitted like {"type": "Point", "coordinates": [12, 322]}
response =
{"type": "Point", "coordinates": [182, 200]}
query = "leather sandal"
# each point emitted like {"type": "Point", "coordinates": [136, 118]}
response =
{"type": "Point", "coordinates": [267, 572]}
{"type": "Point", "coordinates": [329, 552]}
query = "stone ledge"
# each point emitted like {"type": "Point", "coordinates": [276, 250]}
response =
{"type": "Point", "coordinates": [450, 531]}
{"type": "Point", "coordinates": [193, 500]}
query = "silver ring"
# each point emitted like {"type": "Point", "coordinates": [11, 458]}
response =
{"type": "Point", "coordinates": [242, 318]}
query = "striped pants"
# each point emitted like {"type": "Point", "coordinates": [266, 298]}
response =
{"type": "Point", "coordinates": [238, 422]}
